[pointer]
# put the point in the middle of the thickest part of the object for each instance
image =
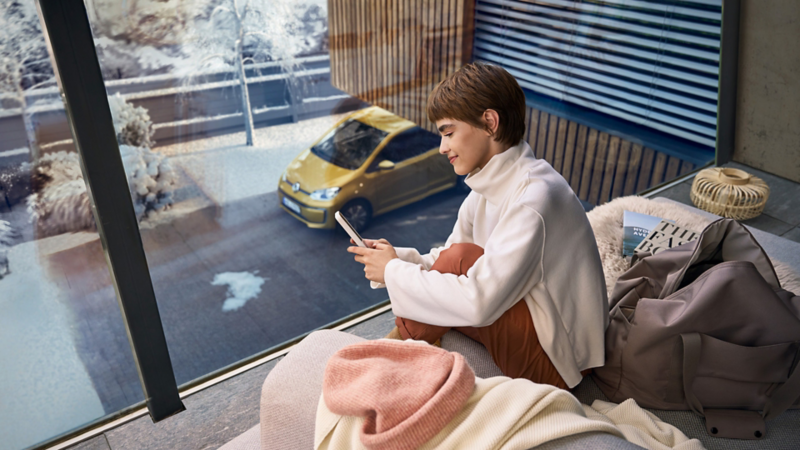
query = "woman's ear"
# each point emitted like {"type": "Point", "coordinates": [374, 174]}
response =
{"type": "Point", "coordinates": [492, 121]}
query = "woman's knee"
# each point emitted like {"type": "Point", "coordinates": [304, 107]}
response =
{"type": "Point", "coordinates": [464, 249]}
{"type": "Point", "coordinates": [458, 258]}
{"type": "Point", "coordinates": [410, 329]}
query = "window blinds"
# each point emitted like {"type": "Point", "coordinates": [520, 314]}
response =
{"type": "Point", "coordinates": [651, 62]}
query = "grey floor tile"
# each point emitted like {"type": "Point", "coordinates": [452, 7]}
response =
{"type": "Point", "coordinates": [374, 328]}
{"type": "Point", "coordinates": [96, 443]}
{"type": "Point", "coordinates": [793, 234]}
{"type": "Point", "coordinates": [767, 223]}
{"type": "Point", "coordinates": [679, 193]}
{"type": "Point", "coordinates": [784, 198]}
{"type": "Point", "coordinates": [213, 417]}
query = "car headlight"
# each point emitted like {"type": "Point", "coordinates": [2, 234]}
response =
{"type": "Point", "coordinates": [284, 177]}
{"type": "Point", "coordinates": [324, 194]}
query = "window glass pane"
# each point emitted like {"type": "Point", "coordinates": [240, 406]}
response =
{"type": "Point", "coordinates": [242, 147]}
{"type": "Point", "coordinates": [399, 149]}
{"type": "Point", "coordinates": [349, 144]}
{"type": "Point", "coordinates": [409, 144]}
{"type": "Point", "coordinates": [65, 360]}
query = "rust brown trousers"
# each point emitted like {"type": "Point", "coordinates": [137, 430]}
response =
{"type": "Point", "coordinates": [511, 340]}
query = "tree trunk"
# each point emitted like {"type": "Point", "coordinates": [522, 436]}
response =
{"type": "Point", "coordinates": [246, 111]}
{"type": "Point", "coordinates": [30, 126]}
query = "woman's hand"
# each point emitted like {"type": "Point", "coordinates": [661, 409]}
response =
{"type": "Point", "coordinates": [374, 258]}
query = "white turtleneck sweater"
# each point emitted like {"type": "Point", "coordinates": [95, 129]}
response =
{"type": "Point", "coordinates": [538, 246]}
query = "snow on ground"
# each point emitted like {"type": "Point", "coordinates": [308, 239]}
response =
{"type": "Point", "coordinates": [226, 170]}
{"type": "Point", "coordinates": [242, 286]}
{"type": "Point", "coordinates": [18, 151]}
{"type": "Point", "coordinates": [44, 387]}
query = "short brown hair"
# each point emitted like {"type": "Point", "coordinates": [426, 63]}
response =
{"type": "Point", "coordinates": [466, 94]}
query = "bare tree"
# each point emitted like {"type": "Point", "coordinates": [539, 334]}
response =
{"type": "Point", "coordinates": [24, 63]}
{"type": "Point", "coordinates": [255, 30]}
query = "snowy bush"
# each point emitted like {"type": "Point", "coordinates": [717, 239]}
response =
{"type": "Point", "coordinates": [15, 184]}
{"type": "Point", "coordinates": [60, 203]}
{"type": "Point", "coordinates": [151, 179]}
{"type": "Point", "coordinates": [132, 123]}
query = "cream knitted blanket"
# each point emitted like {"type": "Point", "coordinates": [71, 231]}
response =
{"type": "Point", "coordinates": [399, 389]}
{"type": "Point", "coordinates": [505, 413]}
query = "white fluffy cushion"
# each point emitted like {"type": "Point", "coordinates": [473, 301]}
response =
{"type": "Point", "coordinates": [606, 221]}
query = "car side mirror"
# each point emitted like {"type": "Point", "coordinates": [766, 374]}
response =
{"type": "Point", "coordinates": [385, 165]}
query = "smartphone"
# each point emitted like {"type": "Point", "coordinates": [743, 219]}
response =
{"type": "Point", "coordinates": [350, 230]}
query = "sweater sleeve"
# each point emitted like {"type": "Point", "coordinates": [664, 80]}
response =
{"type": "Point", "coordinates": [509, 268]}
{"type": "Point", "coordinates": [462, 232]}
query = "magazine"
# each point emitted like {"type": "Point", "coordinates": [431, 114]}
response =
{"type": "Point", "coordinates": [636, 227]}
{"type": "Point", "coordinates": [664, 236]}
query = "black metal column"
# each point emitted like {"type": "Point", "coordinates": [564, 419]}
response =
{"type": "Point", "coordinates": [728, 82]}
{"type": "Point", "coordinates": [69, 38]}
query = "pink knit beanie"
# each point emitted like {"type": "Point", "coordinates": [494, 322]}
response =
{"type": "Point", "coordinates": [407, 392]}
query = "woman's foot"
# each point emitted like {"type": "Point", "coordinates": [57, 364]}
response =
{"type": "Point", "coordinates": [395, 334]}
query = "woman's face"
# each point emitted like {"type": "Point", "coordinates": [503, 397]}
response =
{"type": "Point", "coordinates": [465, 146]}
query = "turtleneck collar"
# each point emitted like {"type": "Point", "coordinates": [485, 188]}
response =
{"type": "Point", "coordinates": [496, 177]}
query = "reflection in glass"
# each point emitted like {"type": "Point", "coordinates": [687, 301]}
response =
{"type": "Point", "coordinates": [245, 148]}
{"type": "Point", "coordinates": [65, 360]}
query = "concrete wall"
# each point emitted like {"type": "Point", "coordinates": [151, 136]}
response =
{"type": "Point", "coordinates": [768, 109]}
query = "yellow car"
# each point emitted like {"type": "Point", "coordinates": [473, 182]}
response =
{"type": "Point", "coordinates": [370, 163]}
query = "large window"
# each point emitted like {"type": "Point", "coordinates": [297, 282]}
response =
{"type": "Point", "coordinates": [242, 127]}
{"type": "Point", "coordinates": [237, 149]}
{"type": "Point", "coordinates": [245, 150]}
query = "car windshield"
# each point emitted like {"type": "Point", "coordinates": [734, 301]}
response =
{"type": "Point", "coordinates": [349, 144]}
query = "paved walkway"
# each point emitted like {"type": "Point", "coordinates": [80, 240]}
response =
{"type": "Point", "coordinates": [44, 387]}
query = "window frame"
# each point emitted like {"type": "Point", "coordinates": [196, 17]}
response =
{"type": "Point", "coordinates": [68, 35]}
{"type": "Point", "coordinates": [70, 44]}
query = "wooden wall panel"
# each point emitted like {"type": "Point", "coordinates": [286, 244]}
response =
{"type": "Point", "coordinates": [550, 144]}
{"type": "Point", "coordinates": [580, 157]}
{"type": "Point", "coordinates": [569, 150]}
{"type": "Point", "coordinates": [621, 169]}
{"type": "Point", "coordinates": [632, 171]}
{"type": "Point", "coordinates": [599, 165]}
{"type": "Point", "coordinates": [588, 162]}
{"type": "Point", "coordinates": [611, 163]}
{"type": "Point", "coordinates": [561, 141]}
{"type": "Point", "coordinates": [393, 53]}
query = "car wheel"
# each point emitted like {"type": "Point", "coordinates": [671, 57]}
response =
{"type": "Point", "coordinates": [358, 213]}
{"type": "Point", "coordinates": [461, 184]}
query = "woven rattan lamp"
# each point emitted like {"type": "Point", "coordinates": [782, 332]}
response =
{"type": "Point", "coordinates": [729, 192]}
